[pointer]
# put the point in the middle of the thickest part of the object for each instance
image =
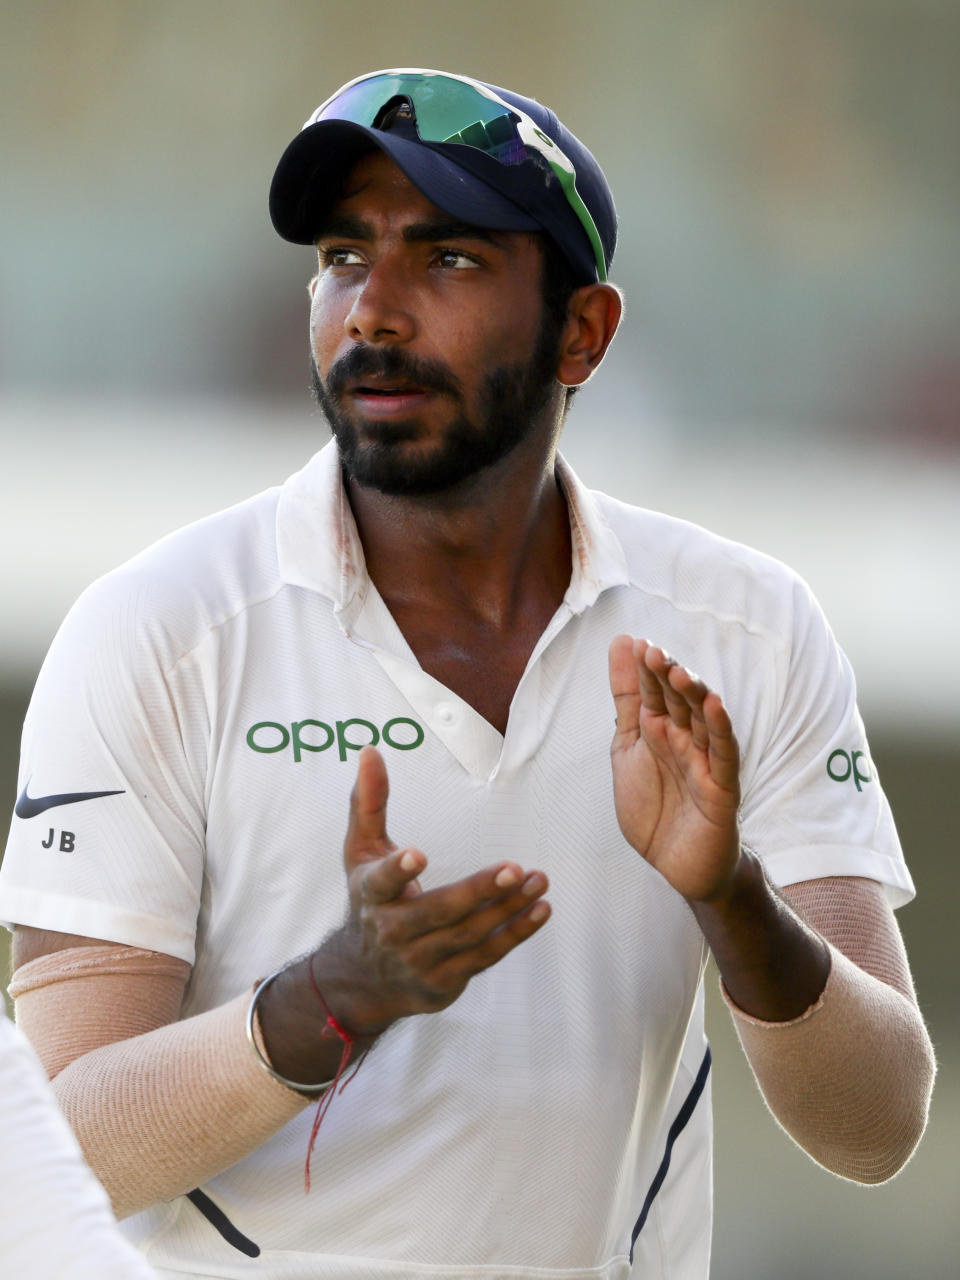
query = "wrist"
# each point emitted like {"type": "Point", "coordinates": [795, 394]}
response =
{"type": "Point", "coordinates": [339, 970]}
{"type": "Point", "coordinates": [256, 1038]}
{"type": "Point", "coordinates": [303, 1035]}
{"type": "Point", "coordinates": [355, 1021]}
{"type": "Point", "coordinates": [743, 881]}
{"type": "Point", "coordinates": [773, 966]}
{"type": "Point", "coordinates": [743, 902]}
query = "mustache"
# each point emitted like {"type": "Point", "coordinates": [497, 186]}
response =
{"type": "Point", "coordinates": [389, 362]}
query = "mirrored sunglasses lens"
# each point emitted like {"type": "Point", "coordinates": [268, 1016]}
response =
{"type": "Point", "coordinates": [450, 110]}
{"type": "Point", "coordinates": [446, 110]}
{"type": "Point", "coordinates": [360, 102]}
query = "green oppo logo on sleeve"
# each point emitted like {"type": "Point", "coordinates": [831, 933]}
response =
{"type": "Point", "coordinates": [269, 736]}
{"type": "Point", "coordinates": [842, 766]}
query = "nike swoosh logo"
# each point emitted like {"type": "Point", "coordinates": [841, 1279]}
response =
{"type": "Point", "coordinates": [30, 806]}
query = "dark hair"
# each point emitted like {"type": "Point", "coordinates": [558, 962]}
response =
{"type": "Point", "coordinates": [558, 281]}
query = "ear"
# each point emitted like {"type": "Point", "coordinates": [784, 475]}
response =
{"type": "Point", "coordinates": [593, 315]}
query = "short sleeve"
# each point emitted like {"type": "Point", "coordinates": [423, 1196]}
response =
{"type": "Point", "coordinates": [107, 836]}
{"type": "Point", "coordinates": [814, 806]}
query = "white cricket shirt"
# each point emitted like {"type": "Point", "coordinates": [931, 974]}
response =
{"type": "Point", "coordinates": [554, 1122]}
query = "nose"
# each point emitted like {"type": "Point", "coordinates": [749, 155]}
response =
{"type": "Point", "coordinates": [381, 307]}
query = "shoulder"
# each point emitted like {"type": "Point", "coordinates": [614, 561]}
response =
{"type": "Point", "coordinates": [696, 570]}
{"type": "Point", "coordinates": [170, 596]}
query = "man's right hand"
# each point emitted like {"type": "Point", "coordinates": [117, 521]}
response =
{"type": "Point", "coordinates": [402, 950]}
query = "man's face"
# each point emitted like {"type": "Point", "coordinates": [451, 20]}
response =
{"type": "Point", "coordinates": [431, 355]}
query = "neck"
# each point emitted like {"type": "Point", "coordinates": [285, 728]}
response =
{"type": "Point", "coordinates": [489, 547]}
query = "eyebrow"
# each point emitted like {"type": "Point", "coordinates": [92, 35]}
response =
{"type": "Point", "coordinates": [416, 233]}
{"type": "Point", "coordinates": [448, 230]}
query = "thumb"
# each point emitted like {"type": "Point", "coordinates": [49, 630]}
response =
{"type": "Point", "coordinates": [367, 827]}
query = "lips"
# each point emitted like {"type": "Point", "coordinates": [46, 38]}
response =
{"type": "Point", "coordinates": [385, 376]}
{"type": "Point", "coordinates": [382, 398]}
{"type": "Point", "coordinates": [388, 391]}
{"type": "Point", "coordinates": [383, 386]}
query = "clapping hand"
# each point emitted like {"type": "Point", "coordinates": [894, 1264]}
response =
{"type": "Point", "coordinates": [676, 770]}
{"type": "Point", "coordinates": [414, 950]}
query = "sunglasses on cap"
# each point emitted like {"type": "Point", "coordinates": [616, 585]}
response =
{"type": "Point", "coordinates": [456, 109]}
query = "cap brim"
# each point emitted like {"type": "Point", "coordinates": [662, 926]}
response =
{"type": "Point", "coordinates": [308, 180]}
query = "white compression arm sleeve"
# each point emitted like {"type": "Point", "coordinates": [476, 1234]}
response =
{"type": "Point", "coordinates": [157, 1111]}
{"type": "Point", "coordinates": [56, 1217]}
{"type": "Point", "coordinates": [849, 1080]}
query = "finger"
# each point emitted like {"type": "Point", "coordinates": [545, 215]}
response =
{"type": "Point", "coordinates": [723, 749]}
{"type": "Point", "coordinates": [684, 694]}
{"type": "Point", "coordinates": [625, 684]}
{"type": "Point", "coordinates": [698, 728]}
{"type": "Point", "coordinates": [678, 707]}
{"type": "Point", "coordinates": [464, 965]}
{"type": "Point", "coordinates": [390, 877]}
{"type": "Point", "coordinates": [652, 664]}
{"type": "Point", "coordinates": [682, 691]}
{"type": "Point", "coordinates": [473, 929]}
{"type": "Point", "coordinates": [367, 826]}
{"type": "Point", "coordinates": [447, 905]}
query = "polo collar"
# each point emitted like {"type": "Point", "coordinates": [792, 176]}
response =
{"type": "Point", "coordinates": [599, 561]}
{"type": "Point", "coordinates": [318, 545]}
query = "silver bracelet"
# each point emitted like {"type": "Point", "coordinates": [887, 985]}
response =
{"type": "Point", "coordinates": [251, 1013]}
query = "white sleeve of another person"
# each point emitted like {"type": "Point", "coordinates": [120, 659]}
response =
{"type": "Point", "coordinates": [57, 1220]}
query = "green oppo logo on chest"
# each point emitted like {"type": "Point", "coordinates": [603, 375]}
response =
{"type": "Point", "coordinates": [269, 736]}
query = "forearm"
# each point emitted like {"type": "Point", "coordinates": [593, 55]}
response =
{"type": "Point", "coordinates": [164, 1112]}
{"type": "Point", "coordinates": [773, 965]}
{"type": "Point", "coordinates": [835, 1039]}
{"type": "Point", "coordinates": [158, 1113]}
{"type": "Point", "coordinates": [158, 1105]}
{"type": "Point", "coordinates": [850, 1080]}
{"type": "Point", "coordinates": [849, 1075]}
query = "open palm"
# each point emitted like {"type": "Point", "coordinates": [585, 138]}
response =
{"type": "Point", "coordinates": [676, 770]}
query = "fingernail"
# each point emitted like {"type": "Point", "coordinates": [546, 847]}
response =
{"type": "Point", "coordinates": [409, 861]}
{"type": "Point", "coordinates": [539, 912]}
{"type": "Point", "coordinates": [506, 878]}
{"type": "Point", "coordinates": [533, 884]}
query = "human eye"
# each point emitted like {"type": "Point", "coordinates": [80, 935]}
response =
{"type": "Point", "coordinates": [456, 259]}
{"type": "Point", "coordinates": [339, 256]}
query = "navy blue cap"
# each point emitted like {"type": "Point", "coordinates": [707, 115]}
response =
{"type": "Point", "coordinates": [463, 181]}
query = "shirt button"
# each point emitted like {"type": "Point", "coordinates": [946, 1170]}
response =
{"type": "Point", "coordinates": [446, 713]}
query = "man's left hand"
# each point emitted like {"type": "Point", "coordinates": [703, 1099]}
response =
{"type": "Point", "coordinates": [676, 770]}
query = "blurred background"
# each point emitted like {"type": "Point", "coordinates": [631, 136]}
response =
{"type": "Point", "coordinates": [788, 182]}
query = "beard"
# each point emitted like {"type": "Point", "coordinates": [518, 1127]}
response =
{"type": "Point", "coordinates": [509, 404]}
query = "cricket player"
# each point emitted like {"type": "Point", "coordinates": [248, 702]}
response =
{"type": "Point", "coordinates": [353, 945]}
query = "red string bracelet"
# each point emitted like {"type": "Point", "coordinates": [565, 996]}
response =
{"type": "Point", "coordinates": [323, 1105]}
